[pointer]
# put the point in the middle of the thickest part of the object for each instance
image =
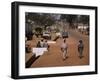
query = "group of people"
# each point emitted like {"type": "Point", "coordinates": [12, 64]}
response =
{"type": "Point", "coordinates": [64, 49]}
{"type": "Point", "coordinates": [43, 43]}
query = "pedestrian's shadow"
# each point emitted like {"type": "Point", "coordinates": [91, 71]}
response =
{"type": "Point", "coordinates": [81, 57]}
{"type": "Point", "coordinates": [67, 57]}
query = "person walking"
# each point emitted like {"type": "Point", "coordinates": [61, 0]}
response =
{"type": "Point", "coordinates": [46, 45]}
{"type": "Point", "coordinates": [64, 48]}
{"type": "Point", "coordinates": [42, 43]}
{"type": "Point", "coordinates": [38, 44]}
{"type": "Point", "coordinates": [80, 48]}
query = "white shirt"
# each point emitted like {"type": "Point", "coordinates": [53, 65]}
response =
{"type": "Point", "coordinates": [64, 45]}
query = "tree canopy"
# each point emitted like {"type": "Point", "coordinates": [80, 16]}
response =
{"type": "Point", "coordinates": [47, 19]}
{"type": "Point", "coordinates": [41, 19]}
{"type": "Point", "coordinates": [84, 19]}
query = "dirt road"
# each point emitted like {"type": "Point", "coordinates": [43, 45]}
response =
{"type": "Point", "coordinates": [53, 58]}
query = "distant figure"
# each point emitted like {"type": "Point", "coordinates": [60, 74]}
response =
{"type": "Point", "coordinates": [64, 48]}
{"type": "Point", "coordinates": [28, 48]}
{"type": "Point", "coordinates": [46, 45]}
{"type": "Point", "coordinates": [38, 44]}
{"type": "Point", "coordinates": [42, 43]}
{"type": "Point", "coordinates": [80, 48]}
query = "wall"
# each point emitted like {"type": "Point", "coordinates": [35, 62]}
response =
{"type": "Point", "coordinates": [5, 40]}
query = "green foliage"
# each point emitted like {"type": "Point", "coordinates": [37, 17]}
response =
{"type": "Point", "coordinates": [41, 19]}
{"type": "Point", "coordinates": [84, 19]}
{"type": "Point", "coordinates": [69, 18]}
{"type": "Point", "coordinates": [38, 30]}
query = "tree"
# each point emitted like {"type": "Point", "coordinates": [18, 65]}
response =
{"type": "Point", "coordinates": [46, 20]}
{"type": "Point", "coordinates": [71, 19]}
{"type": "Point", "coordinates": [41, 19]}
{"type": "Point", "coordinates": [84, 19]}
